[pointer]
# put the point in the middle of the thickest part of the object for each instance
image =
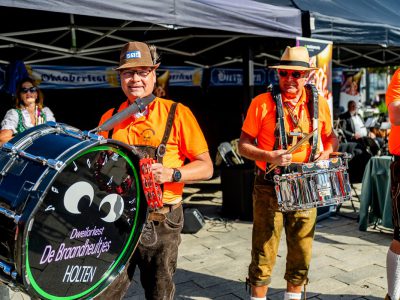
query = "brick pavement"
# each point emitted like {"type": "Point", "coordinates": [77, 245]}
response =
{"type": "Point", "coordinates": [346, 264]}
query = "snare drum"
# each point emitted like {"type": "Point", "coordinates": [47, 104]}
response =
{"type": "Point", "coordinates": [321, 183]}
{"type": "Point", "coordinates": [72, 210]}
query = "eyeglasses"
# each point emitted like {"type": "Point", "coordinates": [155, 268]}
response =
{"type": "Point", "coordinates": [32, 89]}
{"type": "Point", "coordinates": [295, 74]}
{"type": "Point", "coordinates": [141, 73]}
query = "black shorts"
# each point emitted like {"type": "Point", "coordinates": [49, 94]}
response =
{"type": "Point", "coordinates": [395, 189]}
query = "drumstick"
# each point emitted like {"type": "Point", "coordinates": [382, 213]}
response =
{"type": "Point", "coordinates": [294, 148]}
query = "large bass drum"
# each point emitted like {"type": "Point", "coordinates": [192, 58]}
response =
{"type": "Point", "coordinates": [72, 210]}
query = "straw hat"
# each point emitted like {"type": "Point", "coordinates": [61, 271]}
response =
{"type": "Point", "coordinates": [136, 54]}
{"type": "Point", "coordinates": [295, 58]}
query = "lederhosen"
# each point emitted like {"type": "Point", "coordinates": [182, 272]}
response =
{"type": "Point", "coordinates": [282, 138]}
{"type": "Point", "coordinates": [119, 287]}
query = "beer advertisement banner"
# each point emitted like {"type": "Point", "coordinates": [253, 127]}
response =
{"type": "Point", "coordinates": [67, 77]}
{"type": "Point", "coordinates": [320, 52]}
{"type": "Point", "coordinates": [234, 77]}
{"type": "Point", "coordinates": [179, 76]}
{"type": "Point", "coordinates": [351, 82]}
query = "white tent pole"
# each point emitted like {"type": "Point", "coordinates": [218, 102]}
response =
{"type": "Point", "coordinates": [73, 33]}
{"type": "Point", "coordinates": [28, 32]}
{"type": "Point", "coordinates": [39, 45]}
{"type": "Point", "coordinates": [107, 34]}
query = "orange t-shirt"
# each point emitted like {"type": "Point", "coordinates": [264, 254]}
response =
{"type": "Point", "coordinates": [392, 95]}
{"type": "Point", "coordinates": [261, 120]}
{"type": "Point", "coordinates": [185, 141]}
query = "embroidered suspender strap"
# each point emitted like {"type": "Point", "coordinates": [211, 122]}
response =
{"type": "Point", "coordinates": [162, 147]}
{"type": "Point", "coordinates": [43, 115]}
{"type": "Point", "coordinates": [280, 133]}
{"type": "Point", "coordinates": [20, 127]}
{"type": "Point", "coordinates": [312, 95]}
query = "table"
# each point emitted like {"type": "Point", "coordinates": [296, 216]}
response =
{"type": "Point", "coordinates": [376, 203]}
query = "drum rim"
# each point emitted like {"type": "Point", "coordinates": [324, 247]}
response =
{"type": "Point", "coordinates": [130, 244]}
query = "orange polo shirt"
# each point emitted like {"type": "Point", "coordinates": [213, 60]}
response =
{"type": "Point", "coordinates": [185, 141]}
{"type": "Point", "coordinates": [261, 120]}
{"type": "Point", "coordinates": [392, 95]}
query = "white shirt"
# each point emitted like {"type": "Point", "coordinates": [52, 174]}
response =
{"type": "Point", "coordinates": [11, 118]}
{"type": "Point", "coordinates": [359, 126]}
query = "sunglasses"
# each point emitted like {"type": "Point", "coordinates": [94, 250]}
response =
{"type": "Point", "coordinates": [31, 90]}
{"type": "Point", "coordinates": [295, 74]}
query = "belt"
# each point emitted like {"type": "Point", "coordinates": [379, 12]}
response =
{"type": "Point", "coordinates": [259, 172]}
{"type": "Point", "coordinates": [266, 178]}
{"type": "Point", "coordinates": [159, 214]}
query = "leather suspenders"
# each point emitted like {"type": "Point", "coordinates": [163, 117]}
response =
{"type": "Point", "coordinates": [170, 121]}
{"type": "Point", "coordinates": [280, 133]}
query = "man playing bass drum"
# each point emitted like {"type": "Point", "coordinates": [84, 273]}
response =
{"type": "Point", "coordinates": [168, 132]}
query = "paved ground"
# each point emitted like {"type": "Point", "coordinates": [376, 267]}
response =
{"type": "Point", "coordinates": [346, 264]}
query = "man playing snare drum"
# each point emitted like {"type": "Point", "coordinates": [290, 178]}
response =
{"type": "Point", "coordinates": [275, 122]}
{"type": "Point", "coordinates": [393, 255]}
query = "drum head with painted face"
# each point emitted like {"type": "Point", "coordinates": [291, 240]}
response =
{"type": "Point", "coordinates": [87, 225]}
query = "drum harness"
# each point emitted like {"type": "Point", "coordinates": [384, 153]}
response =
{"type": "Point", "coordinates": [281, 138]}
{"type": "Point", "coordinates": [148, 155]}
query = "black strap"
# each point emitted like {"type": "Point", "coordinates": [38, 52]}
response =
{"type": "Point", "coordinates": [162, 147]}
{"type": "Point", "coordinates": [280, 133]}
{"type": "Point", "coordinates": [110, 133]}
{"type": "Point", "coordinates": [313, 109]}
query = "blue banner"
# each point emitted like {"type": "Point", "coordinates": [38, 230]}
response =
{"type": "Point", "coordinates": [234, 77]}
{"type": "Point", "coordinates": [182, 76]}
{"type": "Point", "coordinates": [65, 77]}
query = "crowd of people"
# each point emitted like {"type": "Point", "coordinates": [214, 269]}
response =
{"type": "Point", "coordinates": [298, 111]}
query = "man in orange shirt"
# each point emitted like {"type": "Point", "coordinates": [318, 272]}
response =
{"type": "Point", "coordinates": [393, 255]}
{"type": "Point", "coordinates": [168, 132]}
{"type": "Point", "coordinates": [291, 107]}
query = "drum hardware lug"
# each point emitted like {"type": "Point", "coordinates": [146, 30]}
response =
{"type": "Point", "coordinates": [10, 214]}
{"type": "Point", "coordinates": [9, 147]}
{"type": "Point", "coordinates": [52, 163]}
{"type": "Point", "coordinates": [55, 164]}
{"type": "Point", "coordinates": [92, 136]}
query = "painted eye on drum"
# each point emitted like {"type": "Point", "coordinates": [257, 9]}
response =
{"type": "Point", "coordinates": [79, 190]}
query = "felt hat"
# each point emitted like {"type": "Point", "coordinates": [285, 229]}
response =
{"type": "Point", "coordinates": [136, 54]}
{"type": "Point", "coordinates": [295, 58]}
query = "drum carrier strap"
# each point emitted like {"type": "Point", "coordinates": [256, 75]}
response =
{"type": "Point", "coordinates": [163, 145]}
{"type": "Point", "coordinates": [280, 133]}
{"type": "Point", "coordinates": [160, 151]}
{"type": "Point", "coordinates": [140, 102]}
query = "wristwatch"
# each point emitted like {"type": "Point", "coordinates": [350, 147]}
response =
{"type": "Point", "coordinates": [176, 175]}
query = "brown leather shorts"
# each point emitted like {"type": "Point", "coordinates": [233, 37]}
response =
{"type": "Point", "coordinates": [267, 228]}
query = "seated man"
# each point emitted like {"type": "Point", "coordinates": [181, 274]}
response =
{"type": "Point", "coordinates": [355, 131]}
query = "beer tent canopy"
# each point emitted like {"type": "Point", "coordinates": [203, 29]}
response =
{"type": "Point", "coordinates": [206, 33]}
{"type": "Point", "coordinates": [42, 31]}
{"type": "Point", "coordinates": [364, 32]}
